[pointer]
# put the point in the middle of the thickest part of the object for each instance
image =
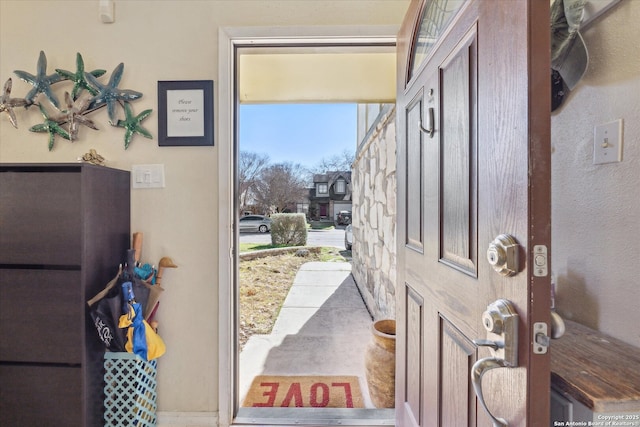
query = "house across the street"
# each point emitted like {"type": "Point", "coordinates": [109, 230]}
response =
{"type": "Point", "coordinates": [330, 194]}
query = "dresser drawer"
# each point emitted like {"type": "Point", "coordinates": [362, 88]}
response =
{"type": "Point", "coordinates": [40, 218]}
{"type": "Point", "coordinates": [43, 396]}
{"type": "Point", "coordinates": [41, 316]}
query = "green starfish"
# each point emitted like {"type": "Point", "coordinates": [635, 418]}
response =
{"type": "Point", "coordinates": [110, 94]}
{"type": "Point", "coordinates": [41, 82]}
{"type": "Point", "coordinates": [7, 104]}
{"type": "Point", "coordinates": [51, 126]}
{"type": "Point", "coordinates": [78, 78]}
{"type": "Point", "coordinates": [132, 124]}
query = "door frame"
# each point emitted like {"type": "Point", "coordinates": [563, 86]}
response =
{"type": "Point", "coordinates": [229, 40]}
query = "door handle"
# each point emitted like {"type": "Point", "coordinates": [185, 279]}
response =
{"type": "Point", "coordinates": [477, 371]}
{"type": "Point", "coordinates": [501, 322]}
{"type": "Point", "coordinates": [430, 123]}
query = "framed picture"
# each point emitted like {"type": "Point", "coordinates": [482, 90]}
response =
{"type": "Point", "coordinates": [185, 113]}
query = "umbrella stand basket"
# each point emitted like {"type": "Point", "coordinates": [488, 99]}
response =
{"type": "Point", "coordinates": [130, 390]}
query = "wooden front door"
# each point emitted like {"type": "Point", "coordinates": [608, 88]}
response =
{"type": "Point", "coordinates": [473, 112]}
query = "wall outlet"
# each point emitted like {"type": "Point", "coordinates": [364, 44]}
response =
{"type": "Point", "coordinates": [147, 176]}
{"type": "Point", "coordinates": [607, 143]}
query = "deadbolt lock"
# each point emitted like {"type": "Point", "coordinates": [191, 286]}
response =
{"type": "Point", "coordinates": [503, 255]}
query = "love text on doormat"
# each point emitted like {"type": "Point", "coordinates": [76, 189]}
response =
{"type": "Point", "coordinates": [304, 392]}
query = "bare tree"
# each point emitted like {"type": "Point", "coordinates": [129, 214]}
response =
{"type": "Point", "coordinates": [280, 187]}
{"type": "Point", "coordinates": [337, 162]}
{"type": "Point", "coordinates": [250, 166]}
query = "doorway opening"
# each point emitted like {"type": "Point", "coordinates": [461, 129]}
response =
{"type": "Point", "coordinates": [296, 159]}
{"type": "Point", "coordinates": [240, 94]}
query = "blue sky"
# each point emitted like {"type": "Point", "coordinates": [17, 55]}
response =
{"type": "Point", "coordinates": [298, 133]}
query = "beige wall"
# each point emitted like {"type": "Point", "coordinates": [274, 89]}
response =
{"type": "Point", "coordinates": [158, 40]}
{"type": "Point", "coordinates": [596, 208]}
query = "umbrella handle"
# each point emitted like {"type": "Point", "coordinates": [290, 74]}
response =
{"type": "Point", "coordinates": [137, 246]}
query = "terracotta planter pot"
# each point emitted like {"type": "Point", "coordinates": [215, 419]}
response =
{"type": "Point", "coordinates": [380, 363]}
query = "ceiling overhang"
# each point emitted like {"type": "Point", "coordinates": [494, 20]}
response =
{"type": "Point", "coordinates": [329, 74]}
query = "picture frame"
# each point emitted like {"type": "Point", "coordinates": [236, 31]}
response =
{"type": "Point", "coordinates": [185, 110]}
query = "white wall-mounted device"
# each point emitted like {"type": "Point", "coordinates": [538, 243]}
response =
{"type": "Point", "coordinates": [607, 143]}
{"type": "Point", "coordinates": [106, 11]}
{"type": "Point", "coordinates": [147, 176]}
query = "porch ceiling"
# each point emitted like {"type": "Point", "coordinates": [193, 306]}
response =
{"type": "Point", "coordinates": [299, 76]}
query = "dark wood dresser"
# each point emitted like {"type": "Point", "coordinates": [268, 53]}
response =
{"type": "Point", "coordinates": [64, 228]}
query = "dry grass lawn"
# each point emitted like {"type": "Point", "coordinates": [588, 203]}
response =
{"type": "Point", "coordinates": [264, 284]}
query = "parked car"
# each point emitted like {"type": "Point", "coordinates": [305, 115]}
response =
{"type": "Point", "coordinates": [344, 217]}
{"type": "Point", "coordinates": [259, 223]}
{"type": "Point", "coordinates": [348, 237]}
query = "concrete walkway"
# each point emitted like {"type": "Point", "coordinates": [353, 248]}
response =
{"type": "Point", "coordinates": [323, 329]}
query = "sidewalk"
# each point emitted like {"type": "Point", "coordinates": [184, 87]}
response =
{"type": "Point", "coordinates": [322, 329]}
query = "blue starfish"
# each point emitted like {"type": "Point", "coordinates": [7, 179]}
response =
{"type": "Point", "coordinates": [110, 94]}
{"type": "Point", "coordinates": [7, 103]}
{"type": "Point", "coordinates": [51, 126]}
{"type": "Point", "coordinates": [41, 82]}
{"type": "Point", "coordinates": [132, 124]}
{"type": "Point", "coordinates": [78, 78]}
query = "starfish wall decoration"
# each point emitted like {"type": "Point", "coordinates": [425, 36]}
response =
{"type": "Point", "coordinates": [78, 104]}
{"type": "Point", "coordinates": [79, 77]}
{"type": "Point", "coordinates": [110, 94]}
{"type": "Point", "coordinates": [74, 115]}
{"type": "Point", "coordinates": [51, 126]}
{"type": "Point", "coordinates": [7, 104]}
{"type": "Point", "coordinates": [132, 124]}
{"type": "Point", "coordinates": [41, 82]}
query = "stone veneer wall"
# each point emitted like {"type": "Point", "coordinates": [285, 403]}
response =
{"type": "Point", "coordinates": [374, 216]}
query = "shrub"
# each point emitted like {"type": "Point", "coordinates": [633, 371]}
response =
{"type": "Point", "coordinates": [288, 229]}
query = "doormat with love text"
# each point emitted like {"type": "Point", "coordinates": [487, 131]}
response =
{"type": "Point", "coordinates": [304, 392]}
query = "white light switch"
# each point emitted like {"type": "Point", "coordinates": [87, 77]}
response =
{"type": "Point", "coordinates": [607, 143]}
{"type": "Point", "coordinates": [148, 176]}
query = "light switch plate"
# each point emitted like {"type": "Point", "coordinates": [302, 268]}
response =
{"type": "Point", "coordinates": [147, 176]}
{"type": "Point", "coordinates": [607, 143]}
